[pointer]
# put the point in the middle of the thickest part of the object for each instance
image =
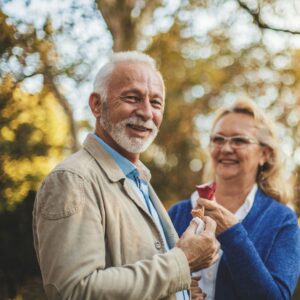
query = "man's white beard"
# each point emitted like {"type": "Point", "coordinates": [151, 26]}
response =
{"type": "Point", "coordinates": [120, 136]}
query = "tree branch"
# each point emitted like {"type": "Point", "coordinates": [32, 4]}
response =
{"type": "Point", "coordinates": [117, 16]}
{"type": "Point", "coordinates": [260, 23]}
{"type": "Point", "coordinates": [67, 108]}
{"type": "Point", "coordinates": [125, 28]}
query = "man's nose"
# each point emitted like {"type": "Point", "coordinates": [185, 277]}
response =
{"type": "Point", "coordinates": [144, 110]}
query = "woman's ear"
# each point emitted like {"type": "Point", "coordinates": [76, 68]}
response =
{"type": "Point", "coordinates": [266, 155]}
{"type": "Point", "coordinates": [95, 104]}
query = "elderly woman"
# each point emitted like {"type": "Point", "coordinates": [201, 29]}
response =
{"type": "Point", "coordinates": [259, 235]}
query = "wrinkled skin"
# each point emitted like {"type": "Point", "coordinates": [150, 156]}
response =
{"type": "Point", "coordinates": [200, 250]}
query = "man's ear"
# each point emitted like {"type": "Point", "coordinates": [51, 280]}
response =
{"type": "Point", "coordinates": [95, 104]}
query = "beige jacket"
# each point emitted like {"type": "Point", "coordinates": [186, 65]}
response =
{"type": "Point", "coordinates": [95, 240]}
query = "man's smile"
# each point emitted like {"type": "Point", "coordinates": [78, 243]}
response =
{"type": "Point", "coordinates": [138, 127]}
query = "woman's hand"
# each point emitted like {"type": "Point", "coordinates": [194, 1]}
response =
{"type": "Point", "coordinates": [196, 291]}
{"type": "Point", "coordinates": [223, 217]}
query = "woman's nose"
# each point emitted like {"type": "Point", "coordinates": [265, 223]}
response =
{"type": "Point", "coordinates": [227, 146]}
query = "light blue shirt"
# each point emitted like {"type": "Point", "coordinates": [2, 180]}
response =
{"type": "Point", "coordinates": [141, 188]}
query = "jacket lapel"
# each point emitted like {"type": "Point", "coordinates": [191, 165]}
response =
{"type": "Point", "coordinates": [134, 196]}
{"type": "Point", "coordinates": [170, 233]}
{"type": "Point", "coordinates": [112, 170]}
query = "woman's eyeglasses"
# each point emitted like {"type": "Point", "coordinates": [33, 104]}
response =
{"type": "Point", "coordinates": [236, 142]}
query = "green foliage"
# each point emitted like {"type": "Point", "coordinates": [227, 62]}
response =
{"type": "Point", "coordinates": [34, 127]}
{"type": "Point", "coordinates": [30, 139]}
{"type": "Point", "coordinates": [34, 134]}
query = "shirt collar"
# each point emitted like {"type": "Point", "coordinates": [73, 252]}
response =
{"type": "Point", "coordinates": [125, 165]}
{"type": "Point", "coordinates": [242, 212]}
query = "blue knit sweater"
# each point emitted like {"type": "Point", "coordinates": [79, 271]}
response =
{"type": "Point", "coordinates": [261, 255]}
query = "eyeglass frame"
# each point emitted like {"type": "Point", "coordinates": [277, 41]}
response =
{"type": "Point", "coordinates": [229, 139]}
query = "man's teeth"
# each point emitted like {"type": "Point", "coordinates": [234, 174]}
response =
{"type": "Point", "coordinates": [137, 127]}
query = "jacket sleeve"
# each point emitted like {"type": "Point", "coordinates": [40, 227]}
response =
{"type": "Point", "coordinates": [273, 279]}
{"type": "Point", "coordinates": [71, 250]}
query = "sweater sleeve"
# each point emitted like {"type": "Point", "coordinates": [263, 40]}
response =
{"type": "Point", "coordinates": [274, 278]}
{"type": "Point", "coordinates": [181, 216]}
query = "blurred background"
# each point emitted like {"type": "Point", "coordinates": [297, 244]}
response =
{"type": "Point", "coordinates": [209, 51]}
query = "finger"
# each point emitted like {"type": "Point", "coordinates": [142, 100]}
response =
{"type": "Point", "coordinates": [196, 292]}
{"type": "Point", "coordinates": [196, 277]}
{"type": "Point", "coordinates": [216, 254]}
{"type": "Point", "coordinates": [194, 283]}
{"type": "Point", "coordinates": [215, 258]}
{"type": "Point", "coordinates": [217, 246]}
{"type": "Point", "coordinates": [198, 297]}
{"type": "Point", "coordinates": [210, 224]}
{"type": "Point", "coordinates": [202, 208]}
{"type": "Point", "coordinates": [190, 231]}
{"type": "Point", "coordinates": [199, 203]}
{"type": "Point", "coordinates": [208, 204]}
{"type": "Point", "coordinates": [200, 226]}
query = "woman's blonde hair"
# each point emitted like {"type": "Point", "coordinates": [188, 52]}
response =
{"type": "Point", "coordinates": [270, 177]}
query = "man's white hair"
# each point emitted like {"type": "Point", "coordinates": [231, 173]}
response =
{"type": "Point", "coordinates": [101, 80]}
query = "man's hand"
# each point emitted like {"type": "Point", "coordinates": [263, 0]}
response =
{"type": "Point", "coordinates": [224, 218]}
{"type": "Point", "coordinates": [196, 291]}
{"type": "Point", "coordinates": [201, 250]}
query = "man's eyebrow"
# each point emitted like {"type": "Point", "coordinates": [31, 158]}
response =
{"type": "Point", "coordinates": [156, 95]}
{"type": "Point", "coordinates": [137, 91]}
{"type": "Point", "coordinates": [133, 90]}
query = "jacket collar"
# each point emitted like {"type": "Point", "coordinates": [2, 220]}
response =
{"type": "Point", "coordinates": [110, 167]}
{"type": "Point", "coordinates": [106, 162]}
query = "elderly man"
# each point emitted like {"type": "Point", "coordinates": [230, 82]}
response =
{"type": "Point", "coordinates": [100, 231]}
